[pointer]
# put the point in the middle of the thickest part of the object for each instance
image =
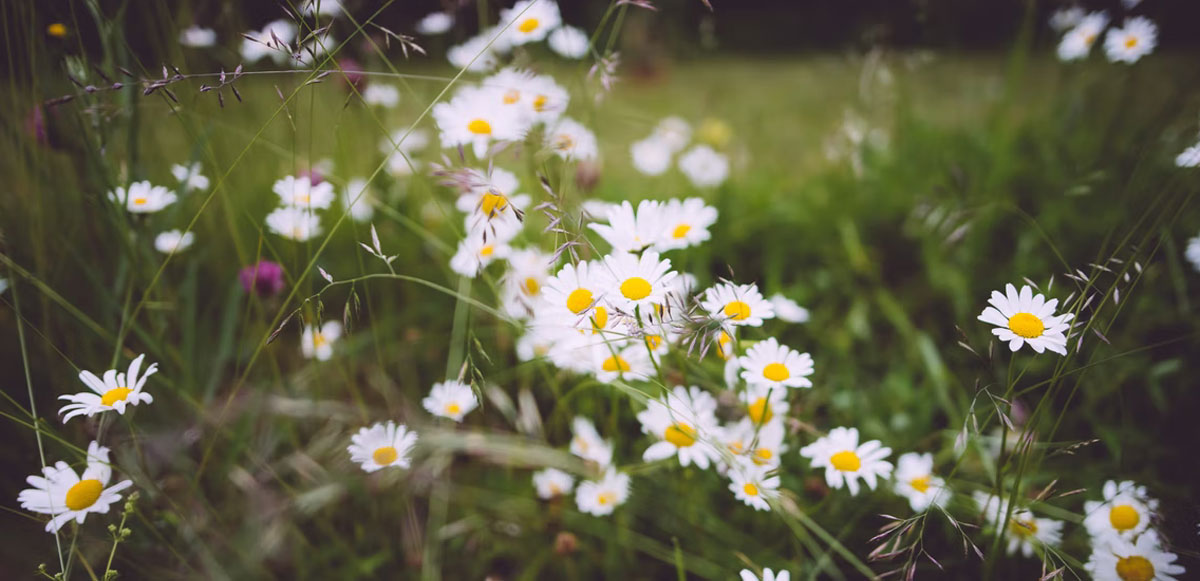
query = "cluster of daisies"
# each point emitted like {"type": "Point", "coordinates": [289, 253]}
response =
{"type": "Point", "coordinates": [1135, 38]}
{"type": "Point", "coordinates": [526, 23]}
{"type": "Point", "coordinates": [703, 165]}
{"type": "Point", "coordinates": [143, 197]}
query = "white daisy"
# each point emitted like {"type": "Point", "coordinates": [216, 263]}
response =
{"type": "Point", "coordinates": [755, 444]}
{"type": "Point", "coordinates": [357, 200]}
{"type": "Point", "coordinates": [552, 482]}
{"type": "Point", "coordinates": [197, 37]}
{"type": "Point", "coordinates": [740, 305]}
{"type": "Point", "coordinates": [611, 363]}
{"type": "Point", "coordinates": [684, 422]}
{"type": "Point", "coordinates": [764, 403]}
{"type": "Point", "coordinates": [1066, 18]}
{"type": "Point", "coordinates": [266, 42]}
{"type": "Point", "coordinates": [577, 290]}
{"type": "Point", "coordinates": [634, 281]}
{"type": "Point", "coordinates": [300, 192]}
{"type": "Point", "coordinates": [142, 197]}
{"type": "Point", "coordinates": [770, 364]}
{"type": "Point", "coordinates": [651, 156]}
{"type": "Point", "coordinates": [173, 241]}
{"type": "Point", "coordinates": [522, 285]}
{"type": "Point", "coordinates": [480, 248]}
{"type": "Point", "coordinates": [630, 231]}
{"type": "Point", "coordinates": [1144, 560]}
{"type": "Point", "coordinates": [674, 132]}
{"type": "Point", "coordinates": [1193, 252]}
{"type": "Point", "coordinates": [67, 496]}
{"type": "Point", "coordinates": [1027, 318]}
{"type": "Point", "coordinates": [478, 53]}
{"type": "Point", "coordinates": [1027, 532]}
{"type": "Point", "coordinates": [915, 480]}
{"type": "Point", "coordinates": [787, 310]}
{"type": "Point", "coordinates": [189, 176]}
{"type": "Point", "coordinates": [751, 484]}
{"type": "Point", "coordinates": [587, 443]}
{"type": "Point", "coordinates": [684, 223]}
{"type": "Point", "coordinates": [294, 223]}
{"type": "Point", "coordinates": [704, 167]}
{"type": "Point", "coordinates": [318, 343]}
{"type": "Point", "coordinates": [599, 498]}
{"type": "Point", "coordinates": [435, 23]}
{"type": "Point", "coordinates": [382, 445]}
{"type": "Point", "coordinates": [568, 42]}
{"type": "Point", "coordinates": [3, 285]}
{"type": "Point", "coordinates": [381, 95]}
{"type": "Point", "coordinates": [114, 392]}
{"type": "Point", "coordinates": [450, 399]}
{"type": "Point", "coordinates": [1125, 512]}
{"type": "Point", "coordinates": [767, 575]}
{"type": "Point", "coordinates": [1189, 157]}
{"type": "Point", "coordinates": [476, 118]}
{"type": "Point", "coordinates": [1077, 43]}
{"type": "Point", "coordinates": [530, 20]}
{"type": "Point", "coordinates": [323, 7]}
{"type": "Point", "coordinates": [845, 460]}
{"type": "Point", "coordinates": [571, 140]}
{"type": "Point", "coordinates": [1131, 42]}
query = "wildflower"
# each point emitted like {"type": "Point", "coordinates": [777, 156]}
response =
{"type": "Point", "coordinates": [764, 403]}
{"type": "Point", "coordinates": [197, 37]}
{"type": "Point", "coordinates": [684, 223]}
{"type": "Point", "coordinates": [115, 392]}
{"type": "Point", "coordinates": [476, 118]}
{"type": "Point", "coordinates": [571, 140]}
{"type": "Point", "coordinates": [173, 241]}
{"type": "Point", "coordinates": [704, 167]}
{"type": "Point", "coordinates": [1189, 157]}
{"type": "Point", "coordinates": [267, 42]}
{"type": "Point", "coordinates": [758, 444]}
{"type": "Point", "coordinates": [1142, 560]}
{"type": "Point", "coordinates": [552, 482]}
{"type": "Point", "coordinates": [530, 20]}
{"type": "Point", "coordinates": [435, 23]}
{"type": "Point", "coordinates": [450, 399]}
{"type": "Point", "coordinates": [189, 176]}
{"type": "Point", "coordinates": [740, 305]}
{"type": "Point", "coordinates": [767, 575]}
{"type": "Point", "coordinates": [714, 132]}
{"type": "Point", "coordinates": [682, 421]}
{"type": "Point", "coordinates": [751, 484]}
{"type": "Point", "coordinates": [1027, 318]}
{"type": "Point", "coordinates": [845, 460]}
{"type": "Point", "coordinates": [303, 192]}
{"type": "Point", "coordinates": [770, 364]}
{"type": "Point", "coordinates": [357, 200]}
{"type": "Point", "coordinates": [568, 42]}
{"type": "Point", "coordinates": [914, 480]}
{"type": "Point", "coordinates": [651, 156]}
{"type": "Point", "coordinates": [67, 496]}
{"type": "Point", "coordinates": [629, 231]}
{"type": "Point", "coordinates": [1125, 512]}
{"type": "Point", "coordinates": [481, 246]}
{"type": "Point", "coordinates": [576, 291]}
{"type": "Point", "coordinates": [142, 197]}
{"type": "Point", "coordinates": [493, 199]}
{"type": "Point", "coordinates": [323, 7]}
{"type": "Point", "coordinates": [57, 30]}
{"type": "Point", "coordinates": [587, 443]}
{"type": "Point", "coordinates": [382, 95]}
{"type": "Point", "coordinates": [294, 223]}
{"type": "Point", "coordinates": [1066, 18]}
{"type": "Point", "coordinates": [787, 310]}
{"type": "Point", "coordinates": [1077, 43]}
{"type": "Point", "coordinates": [611, 363]}
{"type": "Point", "coordinates": [1136, 39]}
{"type": "Point", "coordinates": [318, 343]}
{"type": "Point", "coordinates": [524, 280]}
{"type": "Point", "coordinates": [476, 54]}
{"type": "Point", "coordinates": [264, 278]}
{"type": "Point", "coordinates": [599, 498]}
{"type": "Point", "coordinates": [382, 445]}
{"type": "Point", "coordinates": [1193, 252]}
{"type": "Point", "coordinates": [1025, 531]}
{"type": "Point", "coordinates": [635, 281]}
{"type": "Point", "coordinates": [674, 133]}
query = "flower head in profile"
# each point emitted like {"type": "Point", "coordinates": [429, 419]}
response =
{"type": "Point", "coordinates": [568, 42]}
{"type": "Point", "coordinates": [753, 443]}
{"type": "Point", "coordinates": [1066, 18]}
{"type": "Point", "coordinates": [1128, 44]}
{"type": "Point", "coordinates": [601, 497]}
{"type": "Point", "coordinates": [189, 176]}
{"type": "Point", "coordinates": [740, 305]}
{"type": "Point", "coordinates": [753, 484]}
{"type": "Point", "coordinates": [485, 243]}
{"type": "Point", "coordinates": [587, 443]}
{"type": "Point", "coordinates": [1189, 157]}
{"type": "Point", "coordinates": [845, 460]}
{"type": "Point", "coordinates": [612, 364]}
{"type": "Point", "coordinates": [1077, 43]}
{"type": "Point", "coordinates": [115, 391]}
{"type": "Point", "coordinates": [552, 482]}
{"type": "Point", "coordinates": [381, 95]}
{"type": "Point", "coordinates": [450, 399]}
{"type": "Point", "coordinates": [1023, 317]}
{"type": "Point", "coordinates": [914, 479]}
{"type": "Point", "coordinates": [142, 197]}
{"type": "Point", "coordinates": [787, 310]}
{"type": "Point", "coordinates": [634, 281]}
{"type": "Point", "coordinates": [382, 445]}
{"type": "Point", "coordinates": [318, 342]}
{"type": "Point", "coordinates": [769, 364]}
{"type": "Point", "coordinates": [571, 140]}
{"type": "Point", "coordinates": [295, 224]}
{"type": "Point", "coordinates": [357, 200]}
{"type": "Point", "coordinates": [1141, 560]}
{"type": "Point", "coordinates": [704, 167]}
{"type": "Point", "coordinates": [478, 53]}
{"type": "Point", "coordinates": [1125, 512]}
{"type": "Point", "coordinates": [651, 156]}
{"type": "Point", "coordinates": [1025, 532]}
{"type": "Point", "coordinates": [683, 422]}
{"type": "Point", "coordinates": [530, 20]}
{"type": "Point", "coordinates": [67, 496]}
{"type": "Point", "coordinates": [173, 241]}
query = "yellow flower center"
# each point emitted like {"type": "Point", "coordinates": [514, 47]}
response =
{"type": "Point", "coordinates": [539, 103]}
{"type": "Point", "coordinates": [579, 300]}
{"type": "Point", "coordinates": [722, 340]}
{"type": "Point", "coordinates": [384, 456]}
{"type": "Point", "coordinates": [920, 483]}
{"type": "Point", "coordinates": [1123, 517]}
{"type": "Point", "coordinates": [140, 201]}
{"type": "Point", "coordinates": [635, 288]}
{"type": "Point", "coordinates": [512, 96]}
{"type": "Point", "coordinates": [680, 434]}
{"type": "Point", "coordinates": [760, 411]}
{"type": "Point", "coordinates": [452, 409]}
{"type": "Point", "coordinates": [776, 372]}
{"type": "Point", "coordinates": [555, 490]}
{"type": "Point", "coordinates": [680, 231]}
{"type": "Point", "coordinates": [564, 143]}
{"type": "Point", "coordinates": [479, 127]}
{"type": "Point", "coordinates": [84, 494]}
{"type": "Point", "coordinates": [737, 311]}
{"type": "Point", "coordinates": [491, 203]}
{"type": "Point", "coordinates": [303, 198]}
{"type": "Point", "coordinates": [531, 287]}
{"type": "Point", "coordinates": [605, 498]}
{"type": "Point", "coordinates": [846, 461]}
{"type": "Point", "coordinates": [319, 340]}
{"type": "Point", "coordinates": [1022, 528]}
{"type": "Point", "coordinates": [1131, 42]}
{"type": "Point", "coordinates": [653, 341]}
{"type": "Point", "coordinates": [487, 250]}
{"type": "Point", "coordinates": [1026, 325]}
{"type": "Point", "coordinates": [57, 30]}
{"type": "Point", "coordinates": [615, 363]}
{"type": "Point", "coordinates": [115, 395]}
{"type": "Point", "coordinates": [1135, 568]}
{"type": "Point", "coordinates": [599, 319]}
{"type": "Point", "coordinates": [762, 456]}
{"type": "Point", "coordinates": [297, 232]}
{"type": "Point", "coordinates": [750, 489]}
{"type": "Point", "coordinates": [528, 25]}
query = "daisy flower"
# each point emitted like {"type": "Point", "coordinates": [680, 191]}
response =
{"type": "Point", "coordinates": [634, 281]}
{"type": "Point", "coordinates": [769, 364]}
{"type": "Point", "coordinates": [684, 223]}
{"type": "Point", "coordinates": [481, 247]}
{"type": "Point", "coordinates": [1024, 317]}
{"type": "Point", "coordinates": [115, 392]}
{"type": "Point", "coordinates": [674, 132]}
{"type": "Point", "coordinates": [435, 23]}
{"type": "Point", "coordinates": [552, 482]}
{"type": "Point", "coordinates": [755, 444]}
{"type": "Point", "coordinates": [577, 289]}
{"type": "Point", "coordinates": [1125, 512]}
{"type": "Point", "coordinates": [571, 140]}
{"type": "Point", "coordinates": [704, 167]}
{"type": "Point", "coordinates": [382, 445]}
{"type": "Point", "coordinates": [1131, 42]}
{"type": "Point", "coordinates": [1077, 43]}
{"type": "Point", "coordinates": [301, 192]}
{"type": "Point", "coordinates": [142, 197]}
{"type": "Point", "coordinates": [357, 201]}
{"type": "Point", "coordinates": [1066, 18]}
{"type": "Point", "coordinates": [1026, 532]}
{"type": "Point", "coordinates": [1193, 252]}
{"type": "Point", "coordinates": [787, 310]}
{"type": "Point", "coordinates": [67, 496]}
{"type": "Point", "coordinates": [323, 7]}
{"type": "Point", "coordinates": [1143, 560]}
{"type": "Point", "coordinates": [474, 117]}
{"type": "Point", "coordinates": [740, 305]}
{"type": "Point", "coordinates": [845, 460]}
{"type": "Point", "coordinates": [197, 37]}
{"type": "Point", "coordinates": [547, 100]}
{"type": "Point", "coordinates": [382, 95]}
{"type": "Point", "coordinates": [530, 20]}
{"type": "Point", "coordinates": [914, 480]}
{"type": "Point", "coordinates": [681, 421]}
{"type": "Point", "coordinates": [764, 403]}
{"type": "Point", "coordinates": [478, 53]}
{"type": "Point", "coordinates": [189, 176]}
{"type": "Point", "coordinates": [751, 484]}
{"type": "Point", "coordinates": [3, 285]}
{"type": "Point", "coordinates": [587, 443]}
{"type": "Point", "coordinates": [630, 231]}
{"type": "Point", "coordinates": [767, 575]}
{"type": "Point", "coordinates": [568, 42]}
{"type": "Point", "coordinates": [264, 42]}
{"type": "Point", "coordinates": [294, 223]}
{"type": "Point", "coordinates": [522, 284]}
{"type": "Point", "coordinates": [629, 363]}
{"type": "Point", "coordinates": [1190, 157]}
{"type": "Point", "coordinates": [173, 241]}
{"type": "Point", "coordinates": [450, 399]}
{"type": "Point", "coordinates": [600, 497]}
{"type": "Point", "coordinates": [651, 156]}
{"type": "Point", "coordinates": [318, 343]}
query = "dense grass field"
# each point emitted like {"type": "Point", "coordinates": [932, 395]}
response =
{"type": "Point", "coordinates": [889, 193]}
